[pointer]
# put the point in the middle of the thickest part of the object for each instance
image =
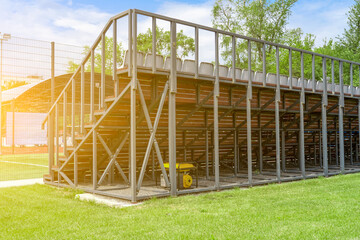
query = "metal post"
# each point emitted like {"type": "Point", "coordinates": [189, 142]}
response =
{"type": "Point", "coordinates": [115, 77]}
{"type": "Point", "coordinates": [133, 110]}
{"type": "Point", "coordinates": [283, 154]}
{"type": "Point", "coordinates": [324, 121]}
{"type": "Point", "coordinates": [94, 160]}
{"type": "Point", "coordinates": [233, 51]}
{"type": "Point", "coordinates": [290, 68]}
{"type": "Point", "coordinates": [196, 52]}
{"type": "Point", "coordinates": [153, 44]}
{"type": "Point", "coordinates": [236, 139]}
{"type": "Point", "coordinates": [248, 117]}
{"type": "Point", "coordinates": [313, 72]}
{"type": "Point", "coordinates": [92, 87]}
{"type": "Point", "coordinates": [64, 122]}
{"type": "Point", "coordinates": [341, 122]}
{"type": "Point", "coordinates": [103, 61]}
{"type": "Point", "coordinates": [216, 117]}
{"type": "Point", "coordinates": [277, 116]}
{"type": "Point", "coordinates": [264, 64]}
{"type": "Point", "coordinates": [50, 123]}
{"type": "Point", "coordinates": [82, 99]}
{"type": "Point", "coordinates": [13, 127]}
{"type": "Point", "coordinates": [172, 113]}
{"type": "Point", "coordinates": [207, 145]}
{"type": "Point", "coordinates": [302, 130]}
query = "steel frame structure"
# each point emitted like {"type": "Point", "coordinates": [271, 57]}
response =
{"type": "Point", "coordinates": [291, 133]}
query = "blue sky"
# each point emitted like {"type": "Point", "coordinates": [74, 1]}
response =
{"type": "Point", "coordinates": [79, 21]}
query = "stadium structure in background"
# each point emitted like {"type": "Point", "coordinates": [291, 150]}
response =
{"type": "Point", "coordinates": [155, 125]}
{"type": "Point", "coordinates": [26, 70]}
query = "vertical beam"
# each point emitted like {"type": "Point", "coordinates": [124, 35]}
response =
{"type": "Point", "coordinates": [248, 117]}
{"type": "Point", "coordinates": [290, 68]}
{"type": "Point", "coordinates": [115, 77]}
{"type": "Point", "coordinates": [153, 26]}
{"type": "Point", "coordinates": [264, 64]}
{"type": "Point", "coordinates": [82, 99]}
{"type": "Point", "coordinates": [51, 117]}
{"type": "Point", "coordinates": [351, 80]}
{"type": "Point", "coordinates": [103, 61]}
{"type": "Point", "coordinates": [324, 121]}
{"type": "Point", "coordinates": [207, 144]}
{"type": "Point", "coordinates": [57, 134]}
{"type": "Point", "coordinates": [233, 51]}
{"type": "Point", "coordinates": [130, 41]}
{"type": "Point", "coordinates": [260, 134]}
{"type": "Point", "coordinates": [64, 122]}
{"type": "Point", "coordinates": [332, 77]}
{"type": "Point", "coordinates": [196, 52]}
{"type": "Point", "coordinates": [172, 113]}
{"type": "Point", "coordinates": [341, 121]}
{"type": "Point", "coordinates": [92, 87]}
{"type": "Point", "coordinates": [73, 112]}
{"type": "Point", "coordinates": [94, 160]}
{"type": "Point", "coordinates": [313, 72]}
{"type": "Point", "coordinates": [133, 110]}
{"type": "Point", "coordinates": [13, 127]}
{"type": "Point", "coordinates": [277, 116]}
{"type": "Point", "coordinates": [301, 137]}
{"type": "Point", "coordinates": [283, 154]}
{"type": "Point", "coordinates": [336, 143]}
{"type": "Point", "coordinates": [236, 145]}
{"type": "Point", "coordinates": [216, 117]}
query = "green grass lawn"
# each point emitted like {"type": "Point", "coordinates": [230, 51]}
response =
{"type": "Point", "coordinates": [11, 170]}
{"type": "Point", "coordinates": [312, 209]}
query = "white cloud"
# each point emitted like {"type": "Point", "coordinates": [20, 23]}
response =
{"type": "Point", "coordinates": [50, 20]}
{"type": "Point", "coordinates": [324, 19]}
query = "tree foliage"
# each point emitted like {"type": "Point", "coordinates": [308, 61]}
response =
{"type": "Point", "coordinates": [120, 52]}
{"type": "Point", "coordinates": [184, 45]}
{"type": "Point", "coordinates": [261, 19]}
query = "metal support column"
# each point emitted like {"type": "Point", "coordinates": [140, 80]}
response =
{"type": "Point", "coordinates": [206, 146]}
{"type": "Point", "coordinates": [133, 110]}
{"type": "Point", "coordinates": [172, 113]}
{"type": "Point", "coordinates": [302, 130]}
{"type": "Point", "coordinates": [216, 117]}
{"type": "Point", "coordinates": [248, 117]}
{"type": "Point", "coordinates": [277, 116]}
{"type": "Point", "coordinates": [341, 121]}
{"type": "Point", "coordinates": [324, 121]}
{"type": "Point", "coordinates": [13, 127]}
{"type": "Point", "coordinates": [50, 123]}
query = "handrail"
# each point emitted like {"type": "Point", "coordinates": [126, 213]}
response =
{"type": "Point", "coordinates": [87, 56]}
{"type": "Point", "coordinates": [190, 24]}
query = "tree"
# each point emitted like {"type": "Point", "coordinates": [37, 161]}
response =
{"type": "Point", "coordinates": [260, 19]}
{"type": "Point", "coordinates": [185, 46]}
{"type": "Point", "coordinates": [120, 52]}
{"type": "Point", "coordinates": [12, 84]}
{"type": "Point", "coordinates": [351, 36]}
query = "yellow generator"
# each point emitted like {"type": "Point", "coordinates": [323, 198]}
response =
{"type": "Point", "coordinates": [184, 179]}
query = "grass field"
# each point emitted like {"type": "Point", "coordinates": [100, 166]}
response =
{"type": "Point", "coordinates": [23, 166]}
{"type": "Point", "coordinates": [324, 208]}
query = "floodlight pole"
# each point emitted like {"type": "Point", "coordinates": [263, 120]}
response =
{"type": "Point", "coordinates": [3, 37]}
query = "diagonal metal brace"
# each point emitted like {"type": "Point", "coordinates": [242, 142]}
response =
{"type": "Point", "coordinates": [152, 131]}
{"type": "Point", "coordinates": [113, 158]}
